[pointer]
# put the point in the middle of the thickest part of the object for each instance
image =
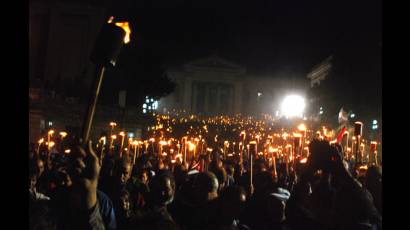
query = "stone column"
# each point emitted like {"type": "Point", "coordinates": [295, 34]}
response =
{"type": "Point", "coordinates": [187, 94]}
{"type": "Point", "coordinates": [237, 97]}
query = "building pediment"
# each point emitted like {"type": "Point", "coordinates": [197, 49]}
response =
{"type": "Point", "coordinates": [214, 63]}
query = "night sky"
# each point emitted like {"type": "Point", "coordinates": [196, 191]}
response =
{"type": "Point", "coordinates": [267, 37]}
{"type": "Point", "coordinates": [262, 35]}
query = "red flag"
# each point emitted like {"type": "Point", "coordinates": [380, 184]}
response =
{"type": "Point", "coordinates": [340, 136]}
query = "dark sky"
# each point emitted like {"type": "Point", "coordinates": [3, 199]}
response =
{"type": "Point", "coordinates": [265, 36]}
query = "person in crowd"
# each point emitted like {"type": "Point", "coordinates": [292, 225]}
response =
{"type": "Point", "coordinates": [373, 183]}
{"type": "Point", "coordinates": [253, 214]}
{"type": "Point", "coordinates": [124, 212]}
{"type": "Point", "coordinates": [220, 174]}
{"type": "Point", "coordinates": [156, 215]}
{"type": "Point", "coordinates": [229, 207]}
{"type": "Point", "coordinates": [230, 172]}
{"type": "Point", "coordinates": [138, 190]}
{"type": "Point", "coordinates": [352, 206]}
{"type": "Point", "coordinates": [34, 195]}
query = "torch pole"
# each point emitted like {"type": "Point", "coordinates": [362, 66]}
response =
{"type": "Point", "coordinates": [92, 104]}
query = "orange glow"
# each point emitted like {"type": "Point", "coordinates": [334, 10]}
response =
{"type": "Point", "coordinates": [303, 161]}
{"type": "Point", "coordinates": [363, 167]}
{"type": "Point", "coordinates": [114, 137]}
{"type": "Point", "coordinates": [41, 140]}
{"type": "Point", "coordinates": [113, 124]}
{"type": "Point", "coordinates": [51, 132]}
{"type": "Point", "coordinates": [63, 134]}
{"type": "Point", "coordinates": [152, 139]}
{"type": "Point", "coordinates": [163, 143]}
{"type": "Point", "coordinates": [51, 144]}
{"type": "Point", "coordinates": [191, 146]}
{"type": "Point", "coordinates": [123, 25]}
{"type": "Point", "coordinates": [302, 127]}
{"type": "Point", "coordinates": [122, 133]}
{"type": "Point", "coordinates": [67, 151]}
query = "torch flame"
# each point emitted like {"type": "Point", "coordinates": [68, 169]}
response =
{"type": "Point", "coordinates": [123, 25]}
{"type": "Point", "coordinates": [51, 144]}
{"type": "Point", "coordinates": [363, 167]}
{"type": "Point", "coordinates": [63, 134]}
{"type": "Point", "coordinates": [302, 127]}
{"type": "Point", "coordinates": [41, 140]}
{"type": "Point", "coordinates": [303, 161]}
{"type": "Point", "coordinates": [163, 143]}
{"type": "Point", "coordinates": [191, 146]}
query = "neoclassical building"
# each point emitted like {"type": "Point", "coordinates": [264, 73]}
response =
{"type": "Point", "coordinates": [214, 85]}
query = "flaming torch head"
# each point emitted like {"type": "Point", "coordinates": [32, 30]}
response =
{"type": "Point", "coordinates": [112, 37]}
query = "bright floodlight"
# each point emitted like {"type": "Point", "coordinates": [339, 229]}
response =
{"type": "Point", "coordinates": [293, 106]}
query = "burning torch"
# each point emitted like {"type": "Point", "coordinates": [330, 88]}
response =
{"type": "Point", "coordinates": [106, 50]}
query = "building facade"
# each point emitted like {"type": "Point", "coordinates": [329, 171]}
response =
{"type": "Point", "coordinates": [214, 85]}
{"type": "Point", "coordinates": [53, 23]}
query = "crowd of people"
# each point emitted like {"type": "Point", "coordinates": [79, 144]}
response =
{"type": "Point", "coordinates": [86, 190]}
